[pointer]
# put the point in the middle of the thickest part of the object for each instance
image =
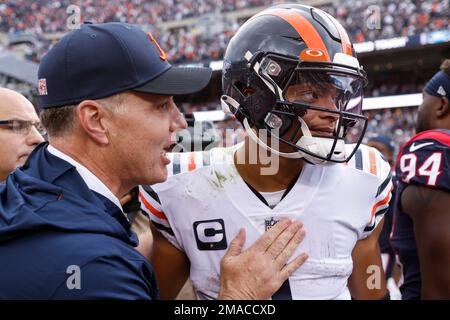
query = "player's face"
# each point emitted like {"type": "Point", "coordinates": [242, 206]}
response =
{"type": "Point", "coordinates": [145, 131]}
{"type": "Point", "coordinates": [424, 119]}
{"type": "Point", "coordinates": [318, 95]}
{"type": "Point", "coordinates": [320, 123]}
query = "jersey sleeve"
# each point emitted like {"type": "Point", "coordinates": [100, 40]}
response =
{"type": "Point", "coordinates": [180, 163]}
{"type": "Point", "coordinates": [425, 160]}
{"type": "Point", "coordinates": [151, 205]}
{"type": "Point", "coordinates": [377, 165]}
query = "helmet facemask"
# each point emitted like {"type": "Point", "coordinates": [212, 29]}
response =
{"type": "Point", "coordinates": [315, 110]}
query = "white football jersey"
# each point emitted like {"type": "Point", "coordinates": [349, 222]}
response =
{"type": "Point", "coordinates": [204, 203]}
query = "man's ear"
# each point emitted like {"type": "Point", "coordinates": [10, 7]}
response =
{"type": "Point", "coordinates": [90, 115]}
{"type": "Point", "coordinates": [444, 108]}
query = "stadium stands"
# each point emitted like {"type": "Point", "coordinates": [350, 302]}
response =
{"type": "Point", "coordinates": [198, 31]}
{"type": "Point", "coordinates": [189, 41]}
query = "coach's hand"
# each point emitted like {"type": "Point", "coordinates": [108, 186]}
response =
{"type": "Point", "coordinates": [259, 272]}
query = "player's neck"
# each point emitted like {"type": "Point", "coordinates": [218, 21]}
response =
{"type": "Point", "coordinates": [265, 173]}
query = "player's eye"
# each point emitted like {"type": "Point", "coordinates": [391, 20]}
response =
{"type": "Point", "coordinates": [308, 96]}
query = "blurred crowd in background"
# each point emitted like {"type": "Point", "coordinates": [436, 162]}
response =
{"type": "Point", "coordinates": [29, 28]}
{"type": "Point", "coordinates": [199, 41]}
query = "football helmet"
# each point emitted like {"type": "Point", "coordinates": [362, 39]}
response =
{"type": "Point", "coordinates": [287, 63]}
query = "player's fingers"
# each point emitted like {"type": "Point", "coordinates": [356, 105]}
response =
{"type": "Point", "coordinates": [284, 255]}
{"type": "Point", "coordinates": [291, 267]}
{"type": "Point", "coordinates": [236, 244]}
{"type": "Point", "coordinates": [283, 239]}
{"type": "Point", "coordinates": [264, 242]}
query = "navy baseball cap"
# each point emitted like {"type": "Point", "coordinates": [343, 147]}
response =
{"type": "Point", "coordinates": [439, 85]}
{"type": "Point", "coordinates": [100, 60]}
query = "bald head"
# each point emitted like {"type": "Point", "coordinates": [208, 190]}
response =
{"type": "Point", "coordinates": [15, 105]}
{"type": "Point", "coordinates": [15, 147]}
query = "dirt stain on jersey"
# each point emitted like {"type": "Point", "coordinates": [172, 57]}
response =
{"type": "Point", "coordinates": [218, 182]}
{"type": "Point", "coordinates": [218, 177]}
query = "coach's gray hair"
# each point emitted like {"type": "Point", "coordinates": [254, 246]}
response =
{"type": "Point", "coordinates": [59, 121]}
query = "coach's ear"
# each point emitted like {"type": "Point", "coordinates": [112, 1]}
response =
{"type": "Point", "coordinates": [90, 114]}
{"type": "Point", "coordinates": [444, 108]}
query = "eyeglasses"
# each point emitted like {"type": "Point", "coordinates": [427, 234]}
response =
{"type": "Point", "coordinates": [23, 127]}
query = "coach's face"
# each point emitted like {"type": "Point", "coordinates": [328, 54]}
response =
{"type": "Point", "coordinates": [431, 112]}
{"type": "Point", "coordinates": [16, 144]}
{"type": "Point", "coordinates": [144, 131]}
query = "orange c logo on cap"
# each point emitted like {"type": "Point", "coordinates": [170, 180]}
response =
{"type": "Point", "coordinates": [162, 54]}
{"type": "Point", "coordinates": [312, 55]}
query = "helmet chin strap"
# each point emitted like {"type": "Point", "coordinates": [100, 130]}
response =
{"type": "Point", "coordinates": [230, 105]}
{"type": "Point", "coordinates": [251, 133]}
{"type": "Point", "coordinates": [317, 145]}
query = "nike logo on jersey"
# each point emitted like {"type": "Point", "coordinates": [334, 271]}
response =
{"type": "Point", "coordinates": [415, 147]}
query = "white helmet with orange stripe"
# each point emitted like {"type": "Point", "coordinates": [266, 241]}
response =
{"type": "Point", "coordinates": [292, 71]}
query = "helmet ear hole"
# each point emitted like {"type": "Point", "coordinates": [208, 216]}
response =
{"type": "Point", "coordinates": [243, 89]}
{"type": "Point", "coordinates": [242, 94]}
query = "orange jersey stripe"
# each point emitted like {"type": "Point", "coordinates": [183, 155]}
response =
{"type": "Point", "coordinates": [156, 213]}
{"type": "Point", "coordinates": [303, 27]}
{"type": "Point", "coordinates": [373, 162]}
{"type": "Point", "coordinates": [191, 164]}
{"type": "Point", "coordinates": [378, 204]}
